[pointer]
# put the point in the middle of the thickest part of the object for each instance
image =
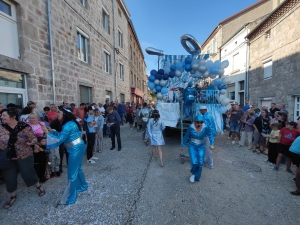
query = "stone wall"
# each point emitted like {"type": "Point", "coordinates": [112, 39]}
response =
{"type": "Point", "coordinates": [70, 72]}
{"type": "Point", "coordinates": [284, 48]}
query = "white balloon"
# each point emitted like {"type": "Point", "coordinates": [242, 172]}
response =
{"type": "Point", "coordinates": [206, 74]}
{"type": "Point", "coordinates": [201, 68]}
{"type": "Point", "coordinates": [222, 92]}
{"type": "Point", "coordinates": [159, 96]}
{"type": "Point", "coordinates": [221, 71]}
{"type": "Point", "coordinates": [225, 64]}
{"type": "Point", "coordinates": [163, 83]}
{"type": "Point", "coordinates": [201, 62]}
{"type": "Point", "coordinates": [225, 80]}
{"type": "Point", "coordinates": [222, 109]}
{"type": "Point", "coordinates": [225, 101]}
{"type": "Point", "coordinates": [156, 82]}
{"type": "Point", "coordinates": [178, 73]}
{"type": "Point", "coordinates": [195, 66]}
{"type": "Point", "coordinates": [194, 61]}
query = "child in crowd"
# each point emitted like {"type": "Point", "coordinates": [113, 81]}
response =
{"type": "Point", "coordinates": [40, 159]}
{"type": "Point", "coordinates": [286, 137]}
{"type": "Point", "coordinates": [273, 140]}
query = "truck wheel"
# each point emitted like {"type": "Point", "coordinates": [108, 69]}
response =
{"type": "Point", "coordinates": [168, 132]}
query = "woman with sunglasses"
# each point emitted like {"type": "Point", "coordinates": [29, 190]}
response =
{"type": "Point", "coordinates": [197, 132]}
{"type": "Point", "coordinates": [71, 137]}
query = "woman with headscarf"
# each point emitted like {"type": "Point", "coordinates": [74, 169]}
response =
{"type": "Point", "coordinates": [16, 139]}
{"type": "Point", "coordinates": [197, 132]}
{"type": "Point", "coordinates": [71, 137]}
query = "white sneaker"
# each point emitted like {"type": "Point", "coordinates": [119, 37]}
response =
{"type": "Point", "coordinates": [228, 138]}
{"type": "Point", "coordinates": [233, 142]}
{"type": "Point", "coordinates": [94, 157]}
{"type": "Point", "coordinates": [91, 161]}
{"type": "Point", "coordinates": [192, 179]}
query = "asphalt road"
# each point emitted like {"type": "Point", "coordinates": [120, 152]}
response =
{"type": "Point", "coordinates": [126, 187]}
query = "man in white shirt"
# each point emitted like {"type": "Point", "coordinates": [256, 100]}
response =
{"type": "Point", "coordinates": [101, 108]}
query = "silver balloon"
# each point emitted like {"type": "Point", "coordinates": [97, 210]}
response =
{"type": "Point", "coordinates": [201, 62]}
{"type": "Point", "coordinates": [225, 101]}
{"type": "Point", "coordinates": [156, 82]}
{"type": "Point", "coordinates": [221, 71]}
{"type": "Point", "coordinates": [225, 80]}
{"type": "Point", "coordinates": [198, 74]}
{"type": "Point", "coordinates": [154, 51]}
{"type": "Point", "coordinates": [192, 71]}
{"type": "Point", "coordinates": [195, 66]}
{"type": "Point", "coordinates": [201, 68]}
{"type": "Point", "coordinates": [163, 83]}
{"type": "Point", "coordinates": [178, 73]}
{"type": "Point", "coordinates": [206, 74]}
{"type": "Point", "coordinates": [189, 41]}
{"type": "Point", "coordinates": [159, 96]}
{"type": "Point", "coordinates": [222, 92]}
{"type": "Point", "coordinates": [195, 61]}
{"type": "Point", "coordinates": [213, 76]}
{"type": "Point", "coordinates": [225, 64]}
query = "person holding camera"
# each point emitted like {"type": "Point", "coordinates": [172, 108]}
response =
{"type": "Point", "coordinates": [261, 126]}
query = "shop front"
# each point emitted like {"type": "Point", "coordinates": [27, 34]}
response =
{"type": "Point", "coordinates": [137, 96]}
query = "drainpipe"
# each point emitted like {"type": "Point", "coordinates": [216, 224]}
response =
{"type": "Point", "coordinates": [114, 34]}
{"type": "Point", "coordinates": [247, 70]}
{"type": "Point", "coordinates": [51, 49]}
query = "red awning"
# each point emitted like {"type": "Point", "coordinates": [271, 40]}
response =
{"type": "Point", "coordinates": [137, 92]}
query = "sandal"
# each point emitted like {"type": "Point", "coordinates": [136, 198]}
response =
{"type": "Point", "coordinates": [41, 190]}
{"type": "Point", "coordinates": [11, 202]}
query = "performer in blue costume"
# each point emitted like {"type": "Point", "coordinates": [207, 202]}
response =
{"type": "Point", "coordinates": [71, 137]}
{"type": "Point", "coordinates": [197, 132]}
{"type": "Point", "coordinates": [208, 121]}
{"type": "Point", "coordinates": [189, 94]}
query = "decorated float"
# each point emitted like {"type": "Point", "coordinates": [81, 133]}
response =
{"type": "Point", "coordinates": [183, 77]}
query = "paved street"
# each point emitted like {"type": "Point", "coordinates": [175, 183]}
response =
{"type": "Point", "coordinates": [127, 188]}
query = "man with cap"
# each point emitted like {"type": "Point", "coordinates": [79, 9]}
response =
{"type": "Point", "coordinates": [197, 133]}
{"type": "Point", "coordinates": [208, 121]}
{"type": "Point", "coordinates": [189, 94]}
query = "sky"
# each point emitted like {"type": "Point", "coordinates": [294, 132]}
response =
{"type": "Point", "coordinates": [161, 23]}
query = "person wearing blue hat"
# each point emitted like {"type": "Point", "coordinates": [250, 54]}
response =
{"type": "Point", "coordinates": [189, 94]}
{"type": "Point", "coordinates": [197, 132]}
{"type": "Point", "coordinates": [208, 121]}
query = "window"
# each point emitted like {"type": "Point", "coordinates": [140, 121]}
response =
{"type": "Point", "coordinates": [122, 98]}
{"type": "Point", "coordinates": [267, 68]}
{"type": "Point", "coordinates": [119, 12]}
{"type": "Point", "coordinates": [297, 108]}
{"type": "Point", "coordinates": [120, 36]}
{"type": "Point", "coordinates": [85, 94]}
{"type": "Point", "coordinates": [215, 46]}
{"type": "Point", "coordinates": [242, 86]}
{"type": "Point", "coordinates": [242, 96]}
{"type": "Point", "coordinates": [130, 52]}
{"type": "Point", "coordinates": [9, 38]}
{"type": "Point", "coordinates": [108, 95]}
{"type": "Point", "coordinates": [107, 62]}
{"type": "Point", "coordinates": [235, 65]}
{"type": "Point", "coordinates": [208, 50]}
{"type": "Point", "coordinates": [134, 81]}
{"type": "Point", "coordinates": [131, 77]}
{"type": "Point", "coordinates": [121, 71]}
{"type": "Point", "coordinates": [105, 20]}
{"type": "Point", "coordinates": [82, 43]}
{"type": "Point", "coordinates": [232, 95]}
{"type": "Point", "coordinates": [82, 2]}
{"type": "Point", "coordinates": [5, 8]}
{"type": "Point", "coordinates": [11, 79]}
{"type": "Point", "coordinates": [134, 57]}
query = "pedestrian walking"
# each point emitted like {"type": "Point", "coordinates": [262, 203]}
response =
{"type": "Point", "coordinates": [121, 111]}
{"type": "Point", "coordinates": [91, 134]}
{"type": "Point", "coordinates": [155, 127]}
{"type": "Point", "coordinates": [98, 147]}
{"type": "Point", "coordinates": [197, 132]}
{"type": "Point", "coordinates": [295, 154]}
{"type": "Point", "coordinates": [71, 137]}
{"type": "Point", "coordinates": [113, 120]}
{"type": "Point", "coordinates": [144, 115]}
{"type": "Point", "coordinates": [129, 116]}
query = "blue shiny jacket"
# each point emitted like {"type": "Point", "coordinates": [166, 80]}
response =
{"type": "Point", "coordinates": [209, 121]}
{"type": "Point", "coordinates": [189, 94]}
{"type": "Point", "coordinates": [192, 133]}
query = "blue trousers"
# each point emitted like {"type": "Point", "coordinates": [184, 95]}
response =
{"type": "Point", "coordinates": [189, 109]}
{"type": "Point", "coordinates": [197, 153]}
{"type": "Point", "coordinates": [122, 117]}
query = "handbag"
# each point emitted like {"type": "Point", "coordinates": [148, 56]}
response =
{"type": "Point", "coordinates": [4, 161]}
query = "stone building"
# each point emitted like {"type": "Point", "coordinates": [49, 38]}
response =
{"type": "Point", "coordinates": [85, 60]}
{"type": "Point", "coordinates": [274, 74]}
{"type": "Point", "coordinates": [227, 42]}
{"type": "Point", "coordinates": [138, 77]}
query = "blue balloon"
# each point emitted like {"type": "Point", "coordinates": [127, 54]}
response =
{"type": "Point", "coordinates": [188, 67]}
{"type": "Point", "coordinates": [161, 71]}
{"type": "Point", "coordinates": [217, 64]}
{"type": "Point", "coordinates": [213, 70]}
{"type": "Point", "coordinates": [151, 78]}
{"type": "Point", "coordinates": [217, 81]}
{"type": "Point", "coordinates": [158, 88]}
{"type": "Point", "coordinates": [224, 86]}
{"type": "Point", "coordinates": [154, 90]}
{"type": "Point", "coordinates": [158, 76]}
{"type": "Point", "coordinates": [208, 64]}
{"type": "Point", "coordinates": [164, 90]}
{"type": "Point", "coordinates": [220, 86]}
{"type": "Point", "coordinates": [166, 76]}
{"type": "Point", "coordinates": [173, 68]}
{"type": "Point", "coordinates": [172, 74]}
{"type": "Point", "coordinates": [151, 85]}
{"type": "Point", "coordinates": [153, 72]}
{"type": "Point", "coordinates": [188, 60]}
{"type": "Point", "coordinates": [183, 64]}
{"type": "Point", "coordinates": [223, 109]}
{"type": "Point", "coordinates": [178, 66]}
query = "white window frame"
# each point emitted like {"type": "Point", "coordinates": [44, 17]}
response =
{"type": "Point", "coordinates": [266, 63]}
{"type": "Point", "coordinates": [13, 15]}
{"type": "Point", "coordinates": [83, 2]}
{"type": "Point", "coordinates": [121, 71]}
{"type": "Point", "coordinates": [107, 70]}
{"type": "Point", "coordinates": [235, 66]}
{"type": "Point", "coordinates": [105, 26]}
{"type": "Point", "coordinates": [208, 49]}
{"type": "Point", "coordinates": [215, 45]}
{"type": "Point", "coordinates": [120, 40]}
{"type": "Point", "coordinates": [297, 107]}
{"type": "Point", "coordinates": [83, 34]}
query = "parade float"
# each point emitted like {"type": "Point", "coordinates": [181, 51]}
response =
{"type": "Point", "coordinates": [183, 83]}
